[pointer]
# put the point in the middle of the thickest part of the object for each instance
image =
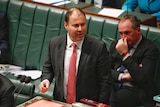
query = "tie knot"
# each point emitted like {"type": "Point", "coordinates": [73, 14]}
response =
{"type": "Point", "coordinates": [129, 48]}
{"type": "Point", "coordinates": [74, 45]}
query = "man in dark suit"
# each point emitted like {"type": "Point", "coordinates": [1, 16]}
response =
{"type": "Point", "coordinates": [6, 92]}
{"type": "Point", "coordinates": [4, 45]}
{"type": "Point", "coordinates": [93, 65]}
{"type": "Point", "coordinates": [135, 82]}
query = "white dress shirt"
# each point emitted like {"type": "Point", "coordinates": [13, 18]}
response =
{"type": "Point", "coordinates": [68, 53]}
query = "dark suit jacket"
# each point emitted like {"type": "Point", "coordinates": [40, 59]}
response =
{"type": "Point", "coordinates": [143, 78]}
{"type": "Point", "coordinates": [4, 45]}
{"type": "Point", "coordinates": [93, 77]}
{"type": "Point", "coordinates": [6, 92]}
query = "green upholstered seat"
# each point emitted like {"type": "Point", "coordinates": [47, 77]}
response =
{"type": "Point", "coordinates": [23, 91]}
{"type": "Point", "coordinates": [95, 27]}
{"type": "Point", "coordinates": [109, 32]}
{"type": "Point", "coordinates": [88, 17]}
{"type": "Point", "coordinates": [4, 5]}
{"type": "Point", "coordinates": [14, 17]}
{"type": "Point", "coordinates": [54, 28]}
{"type": "Point", "coordinates": [39, 26]}
{"type": "Point", "coordinates": [24, 33]}
{"type": "Point", "coordinates": [154, 35]}
{"type": "Point", "coordinates": [62, 28]}
{"type": "Point", "coordinates": [144, 30]}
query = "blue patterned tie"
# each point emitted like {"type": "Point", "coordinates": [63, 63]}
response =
{"type": "Point", "coordinates": [121, 70]}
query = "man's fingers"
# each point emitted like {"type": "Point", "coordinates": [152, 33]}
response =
{"type": "Point", "coordinates": [43, 86]}
{"type": "Point", "coordinates": [140, 65]}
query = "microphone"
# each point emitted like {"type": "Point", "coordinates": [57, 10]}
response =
{"type": "Point", "coordinates": [127, 7]}
{"type": "Point", "coordinates": [27, 79]}
{"type": "Point", "coordinates": [24, 80]}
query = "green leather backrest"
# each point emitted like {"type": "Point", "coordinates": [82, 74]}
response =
{"type": "Point", "coordinates": [144, 30]}
{"type": "Point", "coordinates": [4, 5]}
{"type": "Point", "coordinates": [88, 17]}
{"type": "Point", "coordinates": [102, 29]}
{"type": "Point", "coordinates": [154, 35]}
{"type": "Point", "coordinates": [23, 92]}
{"type": "Point", "coordinates": [23, 34]}
{"type": "Point", "coordinates": [62, 28]}
{"type": "Point", "coordinates": [14, 18]}
{"type": "Point", "coordinates": [95, 27]}
{"type": "Point", "coordinates": [54, 28]}
{"type": "Point", "coordinates": [109, 33]}
{"type": "Point", "coordinates": [37, 37]}
{"type": "Point", "coordinates": [31, 27]}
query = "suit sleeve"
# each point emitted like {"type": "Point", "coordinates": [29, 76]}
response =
{"type": "Point", "coordinates": [142, 75]}
{"type": "Point", "coordinates": [3, 34]}
{"type": "Point", "coordinates": [47, 68]}
{"type": "Point", "coordinates": [113, 54]}
{"type": "Point", "coordinates": [104, 75]}
{"type": "Point", "coordinates": [7, 99]}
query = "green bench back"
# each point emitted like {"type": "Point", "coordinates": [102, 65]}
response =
{"type": "Point", "coordinates": [23, 91]}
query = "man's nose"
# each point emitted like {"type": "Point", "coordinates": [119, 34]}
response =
{"type": "Point", "coordinates": [123, 35]}
{"type": "Point", "coordinates": [79, 28]}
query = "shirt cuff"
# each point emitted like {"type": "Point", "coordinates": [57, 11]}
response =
{"type": "Point", "coordinates": [125, 57]}
{"type": "Point", "coordinates": [120, 76]}
{"type": "Point", "coordinates": [46, 80]}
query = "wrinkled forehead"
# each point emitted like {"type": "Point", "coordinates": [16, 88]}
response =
{"type": "Point", "coordinates": [125, 25]}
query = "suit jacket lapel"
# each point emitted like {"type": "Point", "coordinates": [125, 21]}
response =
{"type": "Point", "coordinates": [61, 53]}
{"type": "Point", "coordinates": [139, 48]}
{"type": "Point", "coordinates": [84, 55]}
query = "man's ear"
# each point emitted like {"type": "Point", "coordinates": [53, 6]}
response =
{"type": "Point", "coordinates": [66, 25]}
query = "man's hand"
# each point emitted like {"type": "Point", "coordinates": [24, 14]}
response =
{"type": "Point", "coordinates": [122, 46]}
{"type": "Point", "coordinates": [43, 86]}
{"type": "Point", "coordinates": [126, 77]}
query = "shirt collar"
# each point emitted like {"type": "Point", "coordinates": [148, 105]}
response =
{"type": "Point", "coordinates": [78, 43]}
{"type": "Point", "coordinates": [135, 45]}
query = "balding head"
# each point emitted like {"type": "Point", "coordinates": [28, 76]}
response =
{"type": "Point", "coordinates": [74, 10]}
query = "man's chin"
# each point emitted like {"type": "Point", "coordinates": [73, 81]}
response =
{"type": "Point", "coordinates": [80, 38]}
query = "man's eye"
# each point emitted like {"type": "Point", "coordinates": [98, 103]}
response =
{"type": "Point", "coordinates": [75, 25]}
{"type": "Point", "coordinates": [126, 33]}
{"type": "Point", "coordinates": [82, 24]}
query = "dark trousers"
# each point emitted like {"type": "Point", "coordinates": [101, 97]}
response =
{"type": "Point", "coordinates": [126, 97]}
